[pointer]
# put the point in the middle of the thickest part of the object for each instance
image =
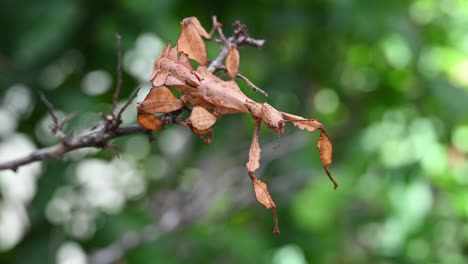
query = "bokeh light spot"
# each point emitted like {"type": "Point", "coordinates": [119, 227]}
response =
{"type": "Point", "coordinates": [96, 82]}
{"type": "Point", "coordinates": [70, 253]}
{"type": "Point", "coordinates": [289, 254]}
{"type": "Point", "coordinates": [422, 11]}
{"type": "Point", "coordinates": [460, 138]}
{"type": "Point", "coordinates": [173, 142]}
{"type": "Point", "coordinates": [458, 73]}
{"type": "Point", "coordinates": [396, 51]}
{"type": "Point", "coordinates": [139, 60]}
{"type": "Point", "coordinates": [138, 147]}
{"type": "Point", "coordinates": [8, 121]}
{"type": "Point", "coordinates": [326, 101]}
{"type": "Point", "coordinates": [18, 100]}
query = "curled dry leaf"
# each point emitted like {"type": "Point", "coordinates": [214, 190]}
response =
{"type": "Point", "coordinates": [260, 188]}
{"type": "Point", "coordinates": [305, 124]}
{"type": "Point", "coordinates": [160, 100]}
{"type": "Point", "coordinates": [324, 144]}
{"type": "Point", "coordinates": [232, 61]}
{"type": "Point", "coordinates": [325, 148]}
{"type": "Point", "coordinates": [254, 154]}
{"type": "Point", "coordinates": [150, 121]}
{"type": "Point", "coordinates": [264, 198]}
{"type": "Point", "coordinates": [201, 119]}
{"type": "Point", "coordinates": [190, 40]}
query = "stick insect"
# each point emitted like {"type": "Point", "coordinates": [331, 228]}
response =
{"type": "Point", "coordinates": [209, 98]}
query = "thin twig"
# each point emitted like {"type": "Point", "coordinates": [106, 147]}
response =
{"type": "Point", "coordinates": [118, 119]}
{"type": "Point", "coordinates": [119, 75]}
{"type": "Point", "coordinates": [50, 109]}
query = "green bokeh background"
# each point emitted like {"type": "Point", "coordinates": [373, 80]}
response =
{"type": "Point", "coordinates": [388, 79]}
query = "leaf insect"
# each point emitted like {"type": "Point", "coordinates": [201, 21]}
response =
{"type": "Point", "coordinates": [211, 97]}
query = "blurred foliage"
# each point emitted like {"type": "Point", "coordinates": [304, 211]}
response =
{"type": "Point", "coordinates": [387, 78]}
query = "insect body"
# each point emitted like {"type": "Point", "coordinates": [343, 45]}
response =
{"type": "Point", "coordinates": [211, 97]}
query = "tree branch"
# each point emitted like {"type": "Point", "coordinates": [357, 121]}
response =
{"type": "Point", "coordinates": [239, 38]}
{"type": "Point", "coordinates": [94, 139]}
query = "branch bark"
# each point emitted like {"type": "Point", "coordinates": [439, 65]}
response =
{"type": "Point", "coordinates": [94, 139]}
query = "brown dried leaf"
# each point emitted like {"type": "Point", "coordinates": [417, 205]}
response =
{"type": "Point", "coordinates": [303, 123]}
{"type": "Point", "coordinates": [201, 119]}
{"type": "Point", "coordinates": [190, 40]}
{"type": "Point", "coordinates": [160, 100]}
{"type": "Point", "coordinates": [324, 144]}
{"type": "Point", "coordinates": [254, 154]}
{"type": "Point", "coordinates": [149, 121]}
{"type": "Point", "coordinates": [232, 61]}
{"type": "Point", "coordinates": [264, 198]}
{"type": "Point", "coordinates": [325, 148]}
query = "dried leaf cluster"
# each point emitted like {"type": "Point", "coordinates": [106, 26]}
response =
{"type": "Point", "coordinates": [209, 97]}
